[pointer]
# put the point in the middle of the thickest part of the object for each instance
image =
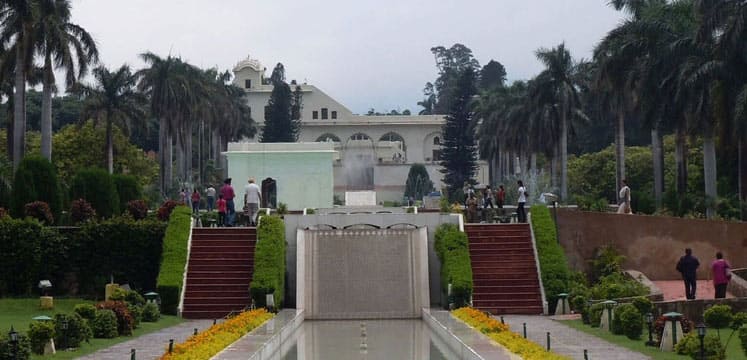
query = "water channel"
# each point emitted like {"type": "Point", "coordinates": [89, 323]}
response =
{"type": "Point", "coordinates": [369, 339]}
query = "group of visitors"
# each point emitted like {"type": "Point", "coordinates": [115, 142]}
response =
{"type": "Point", "coordinates": [225, 202]}
{"type": "Point", "coordinates": [720, 273]}
{"type": "Point", "coordinates": [489, 197]}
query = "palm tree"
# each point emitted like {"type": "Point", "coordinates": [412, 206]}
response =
{"type": "Point", "coordinates": [62, 44]}
{"type": "Point", "coordinates": [557, 99]}
{"type": "Point", "coordinates": [17, 18]}
{"type": "Point", "coordinates": [113, 100]}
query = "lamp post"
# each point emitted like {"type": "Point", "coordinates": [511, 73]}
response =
{"type": "Point", "coordinates": [701, 335]}
{"type": "Point", "coordinates": [63, 326]}
{"type": "Point", "coordinates": [650, 323]}
{"type": "Point", "coordinates": [13, 336]}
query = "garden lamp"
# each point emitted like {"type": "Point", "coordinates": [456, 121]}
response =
{"type": "Point", "coordinates": [63, 327]}
{"type": "Point", "coordinates": [701, 335]}
{"type": "Point", "coordinates": [650, 323]}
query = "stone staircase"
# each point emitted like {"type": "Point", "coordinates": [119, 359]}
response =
{"type": "Point", "coordinates": [219, 270]}
{"type": "Point", "coordinates": [504, 270]}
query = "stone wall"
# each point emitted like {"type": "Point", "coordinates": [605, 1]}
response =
{"type": "Point", "coordinates": [651, 244]}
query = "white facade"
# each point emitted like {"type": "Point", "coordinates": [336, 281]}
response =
{"type": "Point", "coordinates": [374, 152]}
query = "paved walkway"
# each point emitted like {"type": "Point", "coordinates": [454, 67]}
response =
{"type": "Point", "coordinates": [675, 290]}
{"type": "Point", "coordinates": [568, 341]}
{"type": "Point", "coordinates": [152, 345]}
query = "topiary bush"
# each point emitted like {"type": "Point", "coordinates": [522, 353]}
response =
{"type": "Point", "coordinates": [23, 348]}
{"type": "Point", "coordinates": [138, 209]}
{"type": "Point", "coordinates": [40, 332]}
{"type": "Point", "coordinates": [150, 312]}
{"type": "Point", "coordinates": [125, 321]}
{"type": "Point", "coordinates": [78, 330]}
{"type": "Point", "coordinates": [97, 187]}
{"type": "Point", "coordinates": [164, 212]}
{"type": "Point", "coordinates": [128, 189]}
{"type": "Point", "coordinates": [39, 210]}
{"type": "Point", "coordinates": [617, 285]}
{"type": "Point", "coordinates": [556, 274]}
{"type": "Point", "coordinates": [718, 317]}
{"type": "Point", "coordinates": [81, 211]}
{"type": "Point", "coordinates": [174, 258]}
{"type": "Point", "coordinates": [35, 180]}
{"type": "Point", "coordinates": [643, 304]}
{"type": "Point", "coordinates": [269, 262]}
{"type": "Point", "coordinates": [628, 321]}
{"type": "Point", "coordinates": [105, 324]}
{"type": "Point", "coordinates": [137, 314]}
{"type": "Point", "coordinates": [580, 305]}
{"type": "Point", "coordinates": [690, 346]}
{"type": "Point", "coordinates": [128, 296]}
{"type": "Point", "coordinates": [418, 182]}
{"type": "Point", "coordinates": [86, 311]}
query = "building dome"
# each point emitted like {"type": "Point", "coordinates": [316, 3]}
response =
{"type": "Point", "coordinates": [253, 64]}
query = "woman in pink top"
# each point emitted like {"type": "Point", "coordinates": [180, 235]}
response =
{"type": "Point", "coordinates": [720, 276]}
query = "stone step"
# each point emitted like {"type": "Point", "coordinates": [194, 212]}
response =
{"type": "Point", "coordinates": [220, 261]}
{"type": "Point", "coordinates": [515, 296]}
{"type": "Point", "coordinates": [196, 249]}
{"type": "Point", "coordinates": [204, 314]}
{"type": "Point", "coordinates": [218, 300]}
{"type": "Point", "coordinates": [504, 279]}
{"type": "Point", "coordinates": [227, 293]}
{"type": "Point", "coordinates": [219, 240]}
{"type": "Point", "coordinates": [192, 280]}
{"type": "Point", "coordinates": [512, 310]}
{"type": "Point", "coordinates": [216, 265]}
{"type": "Point", "coordinates": [216, 288]}
{"type": "Point", "coordinates": [225, 230]}
{"type": "Point", "coordinates": [247, 255]}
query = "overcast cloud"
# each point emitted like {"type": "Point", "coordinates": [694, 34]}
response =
{"type": "Point", "coordinates": [364, 53]}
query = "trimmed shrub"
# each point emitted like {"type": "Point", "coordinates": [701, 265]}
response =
{"type": "Point", "coordinates": [23, 347]}
{"type": "Point", "coordinates": [35, 180]}
{"type": "Point", "coordinates": [150, 312]}
{"type": "Point", "coordinates": [618, 285]}
{"type": "Point", "coordinates": [81, 211]}
{"type": "Point", "coordinates": [164, 212]}
{"type": "Point", "coordinates": [125, 321]}
{"type": "Point", "coordinates": [452, 248]}
{"type": "Point", "coordinates": [580, 304]}
{"type": "Point", "coordinates": [628, 321]}
{"type": "Point", "coordinates": [718, 317]}
{"type": "Point", "coordinates": [39, 210]}
{"type": "Point", "coordinates": [643, 304]}
{"type": "Point", "coordinates": [105, 324]}
{"type": "Point", "coordinates": [77, 331]}
{"type": "Point", "coordinates": [128, 189]}
{"type": "Point", "coordinates": [269, 262]}
{"type": "Point", "coordinates": [86, 311]}
{"type": "Point", "coordinates": [128, 296]}
{"type": "Point", "coordinates": [690, 345]}
{"type": "Point", "coordinates": [97, 187]}
{"type": "Point", "coordinates": [30, 252]}
{"type": "Point", "coordinates": [174, 258]}
{"type": "Point", "coordinates": [138, 209]}
{"type": "Point", "coordinates": [555, 271]}
{"type": "Point", "coordinates": [137, 314]}
{"type": "Point", "coordinates": [418, 182]}
{"type": "Point", "coordinates": [40, 332]}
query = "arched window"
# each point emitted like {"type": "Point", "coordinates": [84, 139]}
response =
{"type": "Point", "coordinates": [328, 138]}
{"type": "Point", "coordinates": [436, 141]}
{"type": "Point", "coordinates": [360, 136]}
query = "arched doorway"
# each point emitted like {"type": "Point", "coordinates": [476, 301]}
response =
{"type": "Point", "coordinates": [269, 193]}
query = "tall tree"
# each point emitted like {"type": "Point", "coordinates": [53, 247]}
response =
{"type": "Point", "coordinates": [492, 75]}
{"type": "Point", "coordinates": [451, 64]}
{"type": "Point", "coordinates": [279, 123]}
{"type": "Point", "coordinates": [17, 19]}
{"type": "Point", "coordinates": [459, 151]}
{"type": "Point", "coordinates": [429, 102]}
{"type": "Point", "coordinates": [65, 45]}
{"type": "Point", "coordinates": [113, 99]}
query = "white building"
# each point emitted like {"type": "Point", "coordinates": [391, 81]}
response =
{"type": "Point", "coordinates": [373, 152]}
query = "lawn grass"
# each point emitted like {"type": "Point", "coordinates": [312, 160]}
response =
{"type": "Point", "coordinates": [732, 352]}
{"type": "Point", "coordinates": [18, 312]}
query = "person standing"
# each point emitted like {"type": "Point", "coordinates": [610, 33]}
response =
{"type": "Point", "coordinates": [228, 195]}
{"type": "Point", "coordinates": [210, 192]}
{"type": "Point", "coordinates": [521, 212]}
{"type": "Point", "coordinates": [500, 197]}
{"type": "Point", "coordinates": [252, 199]}
{"type": "Point", "coordinates": [221, 211]}
{"type": "Point", "coordinates": [488, 198]}
{"type": "Point", "coordinates": [195, 201]}
{"type": "Point", "coordinates": [721, 271]}
{"type": "Point", "coordinates": [624, 195]}
{"type": "Point", "coordinates": [688, 267]}
{"type": "Point", "coordinates": [472, 208]}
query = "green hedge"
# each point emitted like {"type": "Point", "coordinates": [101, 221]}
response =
{"type": "Point", "coordinates": [35, 180]}
{"type": "Point", "coordinates": [452, 248]}
{"type": "Point", "coordinates": [30, 252]}
{"type": "Point", "coordinates": [556, 274]}
{"type": "Point", "coordinates": [269, 262]}
{"type": "Point", "coordinates": [97, 187]}
{"type": "Point", "coordinates": [128, 189]}
{"type": "Point", "coordinates": [174, 259]}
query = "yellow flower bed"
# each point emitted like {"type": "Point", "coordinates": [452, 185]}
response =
{"type": "Point", "coordinates": [501, 334]}
{"type": "Point", "coordinates": [206, 344]}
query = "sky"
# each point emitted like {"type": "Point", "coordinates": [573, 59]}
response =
{"type": "Point", "coordinates": [364, 53]}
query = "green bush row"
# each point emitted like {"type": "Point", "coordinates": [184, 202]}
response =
{"type": "Point", "coordinates": [174, 258]}
{"type": "Point", "coordinates": [269, 262]}
{"type": "Point", "coordinates": [78, 261]}
{"type": "Point", "coordinates": [556, 274]}
{"type": "Point", "coordinates": [452, 248]}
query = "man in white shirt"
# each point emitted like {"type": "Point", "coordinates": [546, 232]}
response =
{"type": "Point", "coordinates": [521, 213]}
{"type": "Point", "coordinates": [210, 192]}
{"type": "Point", "coordinates": [252, 198]}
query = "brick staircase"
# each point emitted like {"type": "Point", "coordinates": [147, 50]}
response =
{"type": "Point", "coordinates": [503, 269]}
{"type": "Point", "coordinates": [221, 262]}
